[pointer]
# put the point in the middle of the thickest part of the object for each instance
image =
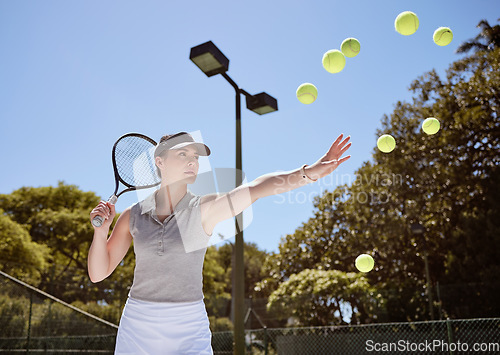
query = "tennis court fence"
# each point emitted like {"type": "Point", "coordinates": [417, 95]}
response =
{"type": "Point", "coordinates": [35, 322]}
{"type": "Point", "coordinates": [429, 337]}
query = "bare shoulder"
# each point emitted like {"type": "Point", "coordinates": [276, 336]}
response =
{"type": "Point", "coordinates": [122, 224]}
{"type": "Point", "coordinates": [126, 213]}
{"type": "Point", "coordinates": [120, 238]}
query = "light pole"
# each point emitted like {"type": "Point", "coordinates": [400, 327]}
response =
{"type": "Point", "coordinates": [419, 230]}
{"type": "Point", "coordinates": [212, 62]}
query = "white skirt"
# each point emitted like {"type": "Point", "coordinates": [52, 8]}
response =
{"type": "Point", "coordinates": [170, 328]}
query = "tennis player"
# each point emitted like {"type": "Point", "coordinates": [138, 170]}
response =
{"type": "Point", "coordinates": [165, 312]}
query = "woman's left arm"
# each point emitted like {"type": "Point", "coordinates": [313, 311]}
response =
{"type": "Point", "coordinates": [277, 183]}
{"type": "Point", "coordinates": [222, 207]}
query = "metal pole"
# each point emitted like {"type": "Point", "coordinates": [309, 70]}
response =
{"type": "Point", "coordinates": [239, 264]}
{"type": "Point", "coordinates": [451, 335]}
{"type": "Point", "coordinates": [239, 272]}
{"type": "Point", "coordinates": [429, 290]}
{"type": "Point", "coordinates": [266, 341]}
{"type": "Point", "coordinates": [29, 324]}
{"type": "Point", "coordinates": [232, 282]}
{"type": "Point", "coordinates": [438, 292]}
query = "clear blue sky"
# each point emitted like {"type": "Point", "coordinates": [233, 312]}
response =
{"type": "Point", "coordinates": [75, 75]}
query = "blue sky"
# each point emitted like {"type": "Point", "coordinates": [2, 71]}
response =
{"type": "Point", "coordinates": [75, 75]}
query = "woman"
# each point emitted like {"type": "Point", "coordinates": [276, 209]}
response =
{"type": "Point", "coordinates": [165, 313]}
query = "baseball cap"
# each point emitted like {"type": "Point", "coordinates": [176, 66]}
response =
{"type": "Point", "coordinates": [181, 140]}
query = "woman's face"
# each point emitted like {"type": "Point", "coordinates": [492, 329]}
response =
{"type": "Point", "coordinates": [179, 164]}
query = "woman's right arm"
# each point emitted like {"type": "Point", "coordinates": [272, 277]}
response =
{"type": "Point", "coordinates": [105, 254]}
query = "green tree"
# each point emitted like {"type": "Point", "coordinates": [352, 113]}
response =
{"type": "Point", "coordinates": [217, 278]}
{"type": "Point", "coordinates": [215, 284]}
{"type": "Point", "coordinates": [58, 220]}
{"type": "Point", "coordinates": [19, 255]}
{"type": "Point", "coordinates": [446, 182]}
{"type": "Point", "coordinates": [487, 39]}
{"type": "Point", "coordinates": [323, 297]}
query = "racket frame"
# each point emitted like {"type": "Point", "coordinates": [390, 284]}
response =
{"type": "Point", "coordinates": [98, 220]}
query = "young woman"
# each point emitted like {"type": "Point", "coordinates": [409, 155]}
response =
{"type": "Point", "coordinates": [165, 312]}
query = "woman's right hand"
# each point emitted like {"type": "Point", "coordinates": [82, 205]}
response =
{"type": "Point", "coordinates": [107, 211]}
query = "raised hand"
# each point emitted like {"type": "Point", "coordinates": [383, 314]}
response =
{"type": "Point", "coordinates": [331, 160]}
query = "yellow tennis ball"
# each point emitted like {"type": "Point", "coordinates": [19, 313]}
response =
{"type": "Point", "coordinates": [307, 93]}
{"type": "Point", "coordinates": [350, 47]}
{"type": "Point", "coordinates": [333, 61]}
{"type": "Point", "coordinates": [430, 125]}
{"type": "Point", "coordinates": [364, 263]}
{"type": "Point", "coordinates": [406, 23]}
{"type": "Point", "coordinates": [386, 143]}
{"type": "Point", "coordinates": [442, 36]}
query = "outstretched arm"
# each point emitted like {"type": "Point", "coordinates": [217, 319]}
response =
{"type": "Point", "coordinates": [276, 183]}
{"type": "Point", "coordinates": [224, 206]}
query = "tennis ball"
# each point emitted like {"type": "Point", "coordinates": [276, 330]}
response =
{"type": "Point", "coordinates": [307, 93]}
{"type": "Point", "coordinates": [333, 61]}
{"type": "Point", "coordinates": [430, 125]}
{"type": "Point", "coordinates": [386, 143]}
{"type": "Point", "coordinates": [443, 36]}
{"type": "Point", "coordinates": [406, 23]}
{"type": "Point", "coordinates": [364, 263]}
{"type": "Point", "coordinates": [350, 47]}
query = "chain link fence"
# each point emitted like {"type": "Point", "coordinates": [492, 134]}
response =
{"type": "Point", "coordinates": [36, 322]}
{"type": "Point", "coordinates": [446, 337]}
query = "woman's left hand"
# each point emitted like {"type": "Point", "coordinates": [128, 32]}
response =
{"type": "Point", "coordinates": [331, 160]}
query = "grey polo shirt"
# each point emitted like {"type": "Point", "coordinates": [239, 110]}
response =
{"type": "Point", "coordinates": [169, 255]}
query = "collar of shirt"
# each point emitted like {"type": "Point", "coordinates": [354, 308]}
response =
{"type": "Point", "coordinates": [148, 205]}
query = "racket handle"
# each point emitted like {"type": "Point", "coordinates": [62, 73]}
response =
{"type": "Point", "coordinates": [98, 220]}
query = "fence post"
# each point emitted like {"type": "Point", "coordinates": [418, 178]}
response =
{"type": "Point", "coordinates": [29, 324]}
{"type": "Point", "coordinates": [439, 300]}
{"type": "Point", "coordinates": [265, 341]}
{"type": "Point", "coordinates": [451, 337]}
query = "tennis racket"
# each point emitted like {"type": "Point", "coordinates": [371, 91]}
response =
{"type": "Point", "coordinates": [133, 165]}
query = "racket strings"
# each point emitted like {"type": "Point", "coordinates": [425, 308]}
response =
{"type": "Point", "coordinates": [134, 157]}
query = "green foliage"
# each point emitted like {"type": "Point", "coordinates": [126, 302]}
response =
{"type": "Point", "coordinates": [48, 318]}
{"type": "Point", "coordinates": [222, 324]}
{"type": "Point", "coordinates": [19, 255]}
{"type": "Point", "coordinates": [12, 316]}
{"type": "Point", "coordinates": [487, 39]}
{"type": "Point", "coordinates": [448, 182]}
{"type": "Point", "coordinates": [215, 283]}
{"type": "Point", "coordinates": [57, 219]}
{"type": "Point", "coordinates": [322, 297]}
{"type": "Point", "coordinates": [217, 277]}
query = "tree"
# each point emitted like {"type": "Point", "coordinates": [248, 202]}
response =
{"type": "Point", "coordinates": [321, 297]}
{"type": "Point", "coordinates": [19, 255]}
{"type": "Point", "coordinates": [487, 39]}
{"type": "Point", "coordinates": [445, 181]}
{"type": "Point", "coordinates": [58, 220]}
{"type": "Point", "coordinates": [215, 283]}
